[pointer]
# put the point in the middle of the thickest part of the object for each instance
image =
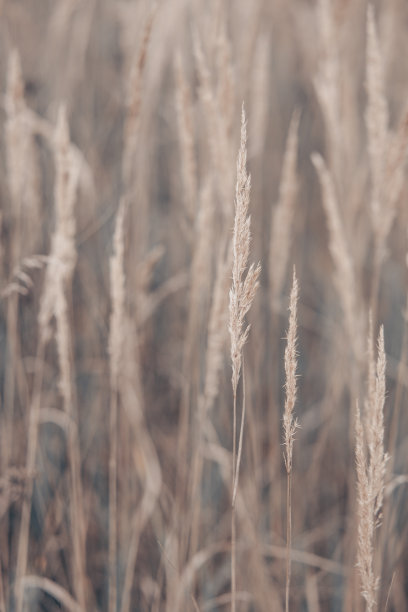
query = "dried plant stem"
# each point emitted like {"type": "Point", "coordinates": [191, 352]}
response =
{"type": "Point", "coordinates": [288, 537]}
{"type": "Point", "coordinates": [116, 338]}
{"type": "Point", "coordinates": [370, 466]}
{"type": "Point", "coordinates": [2, 600]}
{"type": "Point", "coordinates": [12, 371]}
{"type": "Point", "coordinates": [145, 453]}
{"type": "Point", "coordinates": [77, 516]}
{"type": "Point", "coordinates": [366, 520]}
{"type": "Point", "coordinates": [189, 382]}
{"type": "Point", "coordinates": [66, 221]}
{"type": "Point", "coordinates": [234, 444]}
{"type": "Point", "coordinates": [279, 251]}
{"type": "Point", "coordinates": [113, 469]}
{"type": "Point", "coordinates": [290, 424]}
{"type": "Point", "coordinates": [242, 294]}
{"type": "Point", "coordinates": [196, 476]}
{"type": "Point", "coordinates": [32, 443]}
{"type": "Point", "coordinates": [233, 561]}
{"type": "Point", "coordinates": [142, 513]}
{"type": "Point", "coordinates": [233, 516]}
{"type": "Point", "coordinates": [273, 432]}
{"type": "Point", "coordinates": [375, 284]}
{"type": "Point", "coordinates": [17, 140]}
{"type": "Point", "coordinates": [241, 436]}
{"type": "Point", "coordinates": [236, 456]}
{"type": "Point", "coordinates": [65, 350]}
{"type": "Point", "coordinates": [54, 305]}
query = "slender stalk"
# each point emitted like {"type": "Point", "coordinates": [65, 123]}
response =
{"type": "Point", "coordinates": [56, 302]}
{"type": "Point", "coordinates": [233, 525]}
{"type": "Point", "coordinates": [233, 561]}
{"type": "Point", "coordinates": [2, 600]}
{"type": "Point", "coordinates": [241, 437]}
{"type": "Point", "coordinates": [113, 429]}
{"type": "Point", "coordinates": [375, 284]}
{"type": "Point", "coordinates": [288, 537]}
{"type": "Point", "coordinates": [116, 339]}
{"type": "Point", "coordinates": [236, 460]}
{"type": "Point", "coordinates": [67, 388]}
{"type": "Point", "coordinates": [290, 424]}
{"type": "Point", "coordinates": [77, 516]}
{"type": "Point", "coordinates": [242, 294]}
{"type": "Point", "coordinates": [22, 552]}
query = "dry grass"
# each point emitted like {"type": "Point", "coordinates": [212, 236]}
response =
{"type": "Point", "coordinates": [133, 474]}
{"type": "Point", "coordinates": [242, 293]}
{"type": "Point", "coordinates": [290, 423]}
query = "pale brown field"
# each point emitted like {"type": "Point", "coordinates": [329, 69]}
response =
{"type": "Point", "coordinates": [183, 428]}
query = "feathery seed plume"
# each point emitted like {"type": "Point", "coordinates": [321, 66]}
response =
{"type": "Point", "coordinates": [243, 288]}
{"type": "Point", "coordinates": [290, 424]}
{"type": "Point", "coordinates": [117, 277]}
{"type": "Point", "coordinates": [241, 296]}
{"type": "Point", "coordinates": [371, 462]}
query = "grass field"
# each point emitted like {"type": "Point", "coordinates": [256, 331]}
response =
{"type": "Point", "coordinates": [203, 306]}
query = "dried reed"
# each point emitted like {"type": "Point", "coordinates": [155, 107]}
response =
{"type": "Point", "coordinates": [242, 294]}
{"type": "Point", "coordinates": [370, 464]}
{"type": "Point", "coordinates": [290, 423]}
{"type": "Point", "coordinates": [116, 339]}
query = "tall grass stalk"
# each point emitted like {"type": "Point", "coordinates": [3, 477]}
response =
{"type": "Point", "coordinates": [290, 423]}
{"type": "Point", "coordinates": [116, 336]}
{"type": "Point", "coordinates": [32, 442]}
{"type": "Point", "coordinates": [55, 305]}
{"type": "Point", "coordinates": [242, 293]}
{"type": "Point", "coordinates": [371, 462]}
